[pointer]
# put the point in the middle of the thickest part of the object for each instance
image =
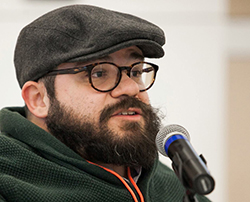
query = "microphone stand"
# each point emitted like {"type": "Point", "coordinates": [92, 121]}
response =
{"type": "Point", "coordinates": [189, 197]}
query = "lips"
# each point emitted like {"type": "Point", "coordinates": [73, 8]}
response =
{"type": "Point", "coordinates": [128, 112]}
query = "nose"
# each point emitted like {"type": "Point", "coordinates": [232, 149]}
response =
{"type": "Point", "coordinates": [127, 86]}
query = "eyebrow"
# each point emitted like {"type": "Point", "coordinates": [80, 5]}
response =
{"type": "Point", "coordinates": [136, 55]}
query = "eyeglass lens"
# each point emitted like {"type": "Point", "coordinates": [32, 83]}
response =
{"type": "Point", "coordinates": [106, 76]}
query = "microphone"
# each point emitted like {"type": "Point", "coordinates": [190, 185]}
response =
{"type": "Point", "coordinates": [191, 169]}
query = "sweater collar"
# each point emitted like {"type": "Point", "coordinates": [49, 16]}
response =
{"type": "Point", "coordinates": [14, 123]}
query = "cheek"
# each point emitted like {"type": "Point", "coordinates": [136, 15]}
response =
{"type": "Point", "coordinates": [85, 105]}
{"type": "Point", "coordinates": [144, 97]}
{"type": "Point", "coordinates": [70, 93]}
{"type": "Point", "coordinates": [82, 100]}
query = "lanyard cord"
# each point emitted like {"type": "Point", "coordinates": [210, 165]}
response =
{"type": "Point", "coordinates": [135, 185]}
{"type": "Point", "coordinates": [125, 183]}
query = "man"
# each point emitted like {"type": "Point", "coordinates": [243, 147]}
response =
{"type": "Point", "coordinates": [87, 130]}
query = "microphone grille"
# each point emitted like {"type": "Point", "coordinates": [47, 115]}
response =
{"type": "Point", "coordinates": [166, 132]}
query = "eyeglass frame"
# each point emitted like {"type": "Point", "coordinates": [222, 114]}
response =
{"type": "Point", "coordinates": [89, 68]}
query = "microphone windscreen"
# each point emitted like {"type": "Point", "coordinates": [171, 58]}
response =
{"type": "Point", "coordinates": [166, 132]}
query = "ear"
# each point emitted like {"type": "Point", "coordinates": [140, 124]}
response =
{"type": "Point", "coordinates": [36, 99]}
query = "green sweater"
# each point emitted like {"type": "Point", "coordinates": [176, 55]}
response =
{"type": "Point", "coordinates": [35, 166]}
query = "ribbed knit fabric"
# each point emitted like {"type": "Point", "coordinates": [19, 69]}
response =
{"type": "Point", "coordinates": [36, 167]}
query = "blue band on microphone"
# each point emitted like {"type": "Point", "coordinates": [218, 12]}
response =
{"type": "Point", "coordinates": [172, 139]}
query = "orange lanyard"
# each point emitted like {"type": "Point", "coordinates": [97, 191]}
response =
{"type": "Point", "coordinates": [135, 185]}
{"type": "Point", "coordinates": [125, 183]}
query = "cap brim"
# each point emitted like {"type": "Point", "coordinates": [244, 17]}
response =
{"type": "Point", "coordinates": [150, 49]}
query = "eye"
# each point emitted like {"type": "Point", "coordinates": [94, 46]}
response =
{"type": "Point", "coordinates": [149, 69]}
{"type": "Point", "coordinates": [136, 73]}
{"type": "Point", "coordinates": [98, 73]}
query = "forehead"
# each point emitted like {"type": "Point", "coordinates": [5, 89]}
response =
{"type": "Point", "coordinates": [133, 53]}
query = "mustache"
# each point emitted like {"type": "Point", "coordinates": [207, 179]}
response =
{"type": "Point", "coordinates": [126, 103]}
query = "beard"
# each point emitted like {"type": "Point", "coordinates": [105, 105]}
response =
{"type": "Point", "coordinates": [133, 146]}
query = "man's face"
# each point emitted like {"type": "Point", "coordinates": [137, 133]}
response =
{"type": "Point", "coordinates": [116, 127]}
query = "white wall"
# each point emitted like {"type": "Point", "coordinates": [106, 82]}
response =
{"type": "Point", "coordinates": [190, 87]}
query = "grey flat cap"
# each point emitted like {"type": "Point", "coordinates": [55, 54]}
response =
{"type": "Point", "coordinates": [81, 33]}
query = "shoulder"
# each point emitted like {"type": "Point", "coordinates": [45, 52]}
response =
{"type": "Point", "coordinates": [166, 183]}
{"type": "Point", "coordinates": [165, 176]}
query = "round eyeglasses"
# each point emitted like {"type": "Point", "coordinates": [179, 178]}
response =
{"type": "Point", "coordinates": [105, 76]}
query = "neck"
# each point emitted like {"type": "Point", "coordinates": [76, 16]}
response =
{"type": "Point", "coordinates": [40, 122]}
{"type": "Point", "coordinates": [121, 170]}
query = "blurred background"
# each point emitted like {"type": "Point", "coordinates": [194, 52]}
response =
{"type": "Point", "coordinates": [203, 83]}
